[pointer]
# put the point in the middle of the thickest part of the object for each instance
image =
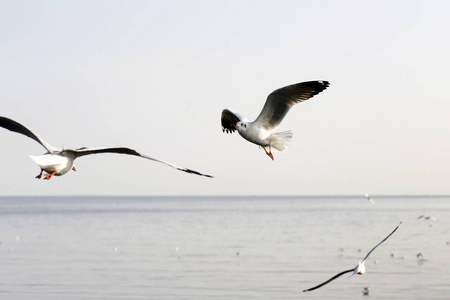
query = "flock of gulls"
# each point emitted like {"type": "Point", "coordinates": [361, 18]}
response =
{"type": "Point", "coordinates": [57, 162]}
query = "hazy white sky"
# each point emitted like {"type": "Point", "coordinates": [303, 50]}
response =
{"type": "Point", "coordinates": [155, 76]}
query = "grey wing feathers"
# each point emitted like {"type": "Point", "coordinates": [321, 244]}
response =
{"type": "Point", "coordinates": [123, 150]}
{"type": "Point", "coordinates": [281, 100]}
{"type": "Point", "coordinates": [381, 242]}
{"type": "Point", "coordinates": [229, 120]}
{"type": "Point", "coordinates": [19, 128]}
{"type": "Point", "coordinates": [329, 280]}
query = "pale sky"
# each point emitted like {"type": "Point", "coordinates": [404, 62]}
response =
{"type": "Point", "coordinates": [155, 76]}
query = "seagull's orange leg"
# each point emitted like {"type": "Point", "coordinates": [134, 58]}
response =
{"type": "Point", "coordinates": [48, 176]}
{"type": "Point", "coordinates": [40, 175]}
{"type": "Point", "coordinates": [270, 152]}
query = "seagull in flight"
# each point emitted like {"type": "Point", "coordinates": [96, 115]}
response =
{"type": "Point", "coordinates": [360, 269]}
{"type": "Point", "coordinates": [427, 218]}
{"type": "Point", "coordinates": [277, 105]}
{"type": "Point", "coordinates": [60, 161]}
{"type": "Point", "coordinates": [369, 198]}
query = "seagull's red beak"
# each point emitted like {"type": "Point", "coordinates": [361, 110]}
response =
{"type": "Point", "coordinates": [73, 168]}
{"type": "Point", "coordinates": [237, 127]}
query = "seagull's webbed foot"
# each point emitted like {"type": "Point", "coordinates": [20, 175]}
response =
{"type": "Point", "coordinates": [48, 176]}
{"type": "Point", "coordinates": [39, 176]}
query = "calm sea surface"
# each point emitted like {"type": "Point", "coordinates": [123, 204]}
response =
{"type": "Point", "coordinates": [222, 247]}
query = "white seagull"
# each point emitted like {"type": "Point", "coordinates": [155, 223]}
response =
{"type": "Point", "coordinates": [59, 162]}
{"type": "Point", "coordinates": [360, 269]}
{"type": "Point", "coordinates": [275, 109]}
{"type": "Point", "coordinates": [369, 198]}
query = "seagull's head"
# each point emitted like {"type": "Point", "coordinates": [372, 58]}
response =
{"type": "Point", "coordinates": [241, 126]}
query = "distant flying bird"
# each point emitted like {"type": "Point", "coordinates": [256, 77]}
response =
{"type": "Point", "coordinates": [369, 199]}
{"type": "Point", "coordinates": [59, 162]}
{"type": "Point", "coordinates": [275, 109]}
{"type": "Point", "coordinates": [360, 269]}
{"type": "Point", "coordinates": [429, 218]}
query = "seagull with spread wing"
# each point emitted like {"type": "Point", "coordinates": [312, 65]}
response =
{"type": "Point", "coordinates": [369, 198]}
{"type": "Point", "coordinates": [275, 109]}
{"type": "Point", "coordinates": [360, 269]}
{"type": "Point", "coordinates": [59, 162]}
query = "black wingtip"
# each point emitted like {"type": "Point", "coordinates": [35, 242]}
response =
{"type": "Point", "coordinates": [228, 121]}
{"type": "Point", "coordinates": [320, 85]}
{"type": "Point", "coordinates": [196, 173]}
{"type": "Point", "coordinates": [323, 83]}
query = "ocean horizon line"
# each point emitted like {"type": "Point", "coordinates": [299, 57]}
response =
{"type": "Point", "coordinates": [236, 195]}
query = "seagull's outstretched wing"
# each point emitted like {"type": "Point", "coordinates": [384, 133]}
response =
{"type": "Point", "coordinates": [280, 101]}
{"type": "Point", "coordinates": [229, 120]}
{"type": "Point", "coordinates": [123, 150]}
{"type": "Point", "coordinates": [329, 280]}
{"type": "Point", "coordinates": [353, 270]}
{"type": "Point", "coordinates": [19, 128]}
{"type": "Point", "coordinates": [381, 242]}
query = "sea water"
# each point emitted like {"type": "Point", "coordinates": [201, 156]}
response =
{"type": "Point", "coordinates": [222, 247]}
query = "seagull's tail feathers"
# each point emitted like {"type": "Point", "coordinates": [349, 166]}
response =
{"type": "Point", "coordinates": [280, 140]}
{"type": "Point", "coordinates": [40, 160]}
{"type": "Point", "coordinates": [47, 161]}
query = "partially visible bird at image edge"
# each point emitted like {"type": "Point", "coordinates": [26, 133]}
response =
{"type": "Point", "coordinates": [60, 161]}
